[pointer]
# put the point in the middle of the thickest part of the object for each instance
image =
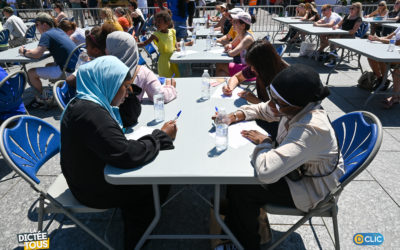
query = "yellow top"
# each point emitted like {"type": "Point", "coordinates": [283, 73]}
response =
{"type": "Point", "coordinates": [232, 33]}
{"type": "Point", "coordinates": [116, 25]}
{"type": "Point", "coordinates": [166, 41]}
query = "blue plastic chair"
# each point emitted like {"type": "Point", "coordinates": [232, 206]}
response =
{"type": "Point", "coordinates": [141, 60]}
{"type": "Point", "coordinates": [281, 49]}
{"type": "Point", "coordinates": [362, 30]}
{"type": "Point", "coordinates": [130, 31]}
{"type": "Point", "coordinates": [4, 37]}
{"type": "Point", "coordinates": [360, 137]}
{"type": "Point", "coordinates": [11, 89]}
{"type": "Point", "coordinates": [27, 143]}
{"type": "Point", "coordinates": [31, 32]}
{"type": "Point", "coordinates": [63, 93]}
{"type": "Point", "coordinates": [150, 51]}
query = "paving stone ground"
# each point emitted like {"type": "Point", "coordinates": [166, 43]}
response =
{"type": "Point", "coordinates": [371, 203]}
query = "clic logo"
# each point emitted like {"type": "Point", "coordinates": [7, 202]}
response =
{"type": "Point", "coordinates": [368, 239]}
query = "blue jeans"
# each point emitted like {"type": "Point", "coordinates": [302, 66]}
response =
{"type": "Point", "coordinates": [180, 28]}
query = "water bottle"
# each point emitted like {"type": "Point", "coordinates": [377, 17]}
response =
{"type": "Point", "coordinates": [392, 43]}
{"type": "Point", "coordinates": [158, 100]}
{"type": "Point", "coordinates": [194, 36]}
{"type": "Point", "coordinates": [214, 41]}
{"type": "Point", "coordinates": [208, 42]}
{"type": "Point", "coordinates": [205, 85]}
{"type": "Point", "coordinates": [82, 59]}
{"type": "Point", "coordinates": [183, 49]}
{"type": "Point", "coordinates": [221, 135]}
{"type": "Point", "coordinates": [286, 14]}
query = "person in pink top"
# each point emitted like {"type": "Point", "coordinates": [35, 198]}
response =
{"type": "Point", "coordinates": [123, 46]}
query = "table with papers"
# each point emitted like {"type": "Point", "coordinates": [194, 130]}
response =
{"type": "Point", "coordinates": [195, 159]}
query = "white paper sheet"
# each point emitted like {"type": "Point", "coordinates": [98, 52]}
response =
{"type": "Point", "coordinates": [219, 95]}
{"type": "Point", "coordinates": [218, 50]}
{"type": "Point", "coordinates": [188, 52]}
{"type": "Point", "coordinates": [235, 139]}
{"type": "Point", "coordinates": [139, 132]}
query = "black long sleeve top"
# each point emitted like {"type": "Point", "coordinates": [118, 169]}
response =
{"type": "Point", "coordinates": [90, 139]}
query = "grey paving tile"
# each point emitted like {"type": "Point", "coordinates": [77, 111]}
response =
{"type": "Point", "coordinates": [365, 207]}
{"type": "Point", "coordinates": [305, 237]}
{"type": "Point", "coordinates": [389, 143]}
{"type": "Point", "coordinates": [7, 183]}
{"type": "Point", "coordinates": [395, 132]}
{"type": "Point", "coordinates": [385, 168]}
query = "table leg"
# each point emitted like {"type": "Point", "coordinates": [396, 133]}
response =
{"type": "Point", "coordinates": [276, 33]}
{"type": "Point", "coordinates": [380, 86]}
{"type": "Point", "coordinates": [334, 68]}
{"type": "Point", "coordinates": [359, 63]}
{"type": "Point", "coordinates": [153, 224]}
{"type": "Point", "coordinates": [217, 193]}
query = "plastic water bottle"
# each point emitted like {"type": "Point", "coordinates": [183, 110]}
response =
{"type": "Point", "coordinates": [214, 41]}
{"type": "Point", "coordinates": [158, 100]}
{"type": "Point", "coordinates": [286, 14]}
{"type": "Point", "coordinates": [392, 44]}
{"type": "Point", "coordinates": [183, 49]}
{"type": "Point", "coordinates": [221, 135]}
{"type": "Point", "coordinates": [205, 85]}
{"type": "Point", "coordinates": [82, 59]}
{"type": "Point", "coordinates": [194, 36]}
{"type": "Point", "coordinates": [208, 42]}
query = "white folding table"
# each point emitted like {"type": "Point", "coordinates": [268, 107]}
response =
{"type": "Point", "coordinates": [194, 159]}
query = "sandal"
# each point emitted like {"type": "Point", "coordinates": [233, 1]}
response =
{"type": "Point", "coordinates": [388, 104]}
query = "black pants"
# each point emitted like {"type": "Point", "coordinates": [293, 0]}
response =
{"type": "Point", "coordinates": [137, 207]}
{"type": "Point", "coordinates": [191, 9]}
{"type": "Point", "coordinates": [245, 202]}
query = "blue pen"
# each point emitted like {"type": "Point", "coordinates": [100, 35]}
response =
{"type": "Point", "coordinates": [177, 116]}
{"type": "Point", "coordinates": [172, 77]}
{"type": "Point", "coordinates": [216, 109]}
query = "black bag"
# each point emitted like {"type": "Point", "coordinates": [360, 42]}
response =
{"type": "Point", "coordinates": [367, 81]}
{"type": "Point", "coordinates": [131, 108]}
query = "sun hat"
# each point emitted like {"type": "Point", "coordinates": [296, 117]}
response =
{"type": "Point", "coordinates": [244, 16]}
{"type": "Point", "coordinates": [235, 11]}
{"type": "Point", "coordinates": [44, 18]}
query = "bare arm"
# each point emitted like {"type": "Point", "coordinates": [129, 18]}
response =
{"type": "Point", "coordinates": [244, 44]}
{"type": "Point", "coordinates": [151, 38]}
{"type": "Point", "coordinates": [373, 13]}
{"type": "Point", "coordinates": [355, 28]}
{"type": "Point", "coordinates": [33, 53]}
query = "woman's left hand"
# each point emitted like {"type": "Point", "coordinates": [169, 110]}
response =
{"type": "Point", "coordinates": [254, 136]}
{"type": "Point", "coordinates": [250, 97]}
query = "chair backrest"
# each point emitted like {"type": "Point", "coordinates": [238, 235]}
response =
{"type": "Point", "coordinates": [31, 32]}
{"type": "Point", "coordinates": [63, 93]}
{"type": "Point", "coordinates": [4, 36]}
{"type": "Point", "coordinates": [72, 55]}
{"type": "Point", "coordinates": [281, 49]}
{"type": "Point", "coordinates": [149, 47]}
{"type": "Point", "coordinates": [362, 30]}
{"type": "Point", "coordinates": [131, 29]}
{"type": "Point", "coordinates": [28, 144]}
{"type": "Point", "coordinates": [11, 89]}
{"type": "Point", "coordinates": [359, 141]}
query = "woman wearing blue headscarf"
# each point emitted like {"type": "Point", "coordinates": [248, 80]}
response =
{"type": "Point", "coordinates": [91, 137]}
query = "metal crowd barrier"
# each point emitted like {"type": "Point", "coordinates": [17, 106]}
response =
{"type": "Point", "coordinates": [263, 13]}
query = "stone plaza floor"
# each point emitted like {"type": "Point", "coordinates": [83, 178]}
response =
{"type": "Point", "coordinates": [370, 204]}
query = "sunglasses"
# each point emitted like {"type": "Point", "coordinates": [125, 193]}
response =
{"type": "Point", "coordinates": [380, 5]}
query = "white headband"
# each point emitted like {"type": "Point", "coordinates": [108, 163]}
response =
{"type": "Point", "coordinates": [283, 99]}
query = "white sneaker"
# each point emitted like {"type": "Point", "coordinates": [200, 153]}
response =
{"type": "Point", "coordinates": [331, 63]}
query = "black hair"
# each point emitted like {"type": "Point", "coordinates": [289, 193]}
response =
{"type": "Point", "coordinates": [59, 6]}
{"type": "Point", "coordinates": [165, 16]}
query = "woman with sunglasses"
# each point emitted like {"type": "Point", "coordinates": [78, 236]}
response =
{"type": "Point", "coordinates": [381, 11]}
{"type": "Point", "coordinates": [306, 143]}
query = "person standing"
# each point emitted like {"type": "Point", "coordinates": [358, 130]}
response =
{"type": "Point", "coordinates": [94, 13]}
{"type": "Point", "coordinates": [16, 27]}
{"type": "Point", "coordinates": [78, 12]}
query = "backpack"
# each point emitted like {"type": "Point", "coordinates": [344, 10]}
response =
{"type": "Point", "coordinates": [367, 81]}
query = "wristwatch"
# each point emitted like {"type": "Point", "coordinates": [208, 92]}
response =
{"type": "Point", "coordinates": [24, 51]}
{"type": "Point", "coordinates": [236, 118]}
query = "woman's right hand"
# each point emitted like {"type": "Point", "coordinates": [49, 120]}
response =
{"type": "Point", "coordinates": [170, 129]}
{"type": "Point", "coordinates": [226, 90]}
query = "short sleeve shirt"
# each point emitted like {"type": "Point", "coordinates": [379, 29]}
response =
{"type": "Point", "coordinates": [173, 6]}
{"type": "Point", "coordinates": [16, 26]}
{"type": "Point", "coordinates": [397, 34]}
{"type": "Point", "coordinates": [334, 16]}
{"type": "Point", "coordinates": [60, 46]}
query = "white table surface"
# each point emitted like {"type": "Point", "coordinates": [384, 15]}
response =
{"type": "Point", "coordinates": [201, 55]}
{"type": "Point", "coordinates": [12, 55]}
{"type": "Point", "coordinates": [313, 30]}
{"type": "Point", "coordinates": [371, 20]}
{"type": "Point", "coordinates": [391, 25]}
{"type": "Point", "coordinates": [203, 32]}
{"type": "Point", "coordinates": [375, 50]}
{"type": "Point", "coordinates": [192, 161]}
{"type": "Point", "coordinates": [289, 20]}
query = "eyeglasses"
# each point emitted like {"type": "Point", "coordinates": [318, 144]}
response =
{"type": "Point", "coordinates": [380, 5]}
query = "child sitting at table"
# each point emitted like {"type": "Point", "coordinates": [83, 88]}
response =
{"type": "Point", "coordinates": [165, 39]}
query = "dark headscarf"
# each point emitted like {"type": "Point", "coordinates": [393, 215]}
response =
{"type": "Point", "coordinates": [299, 85]}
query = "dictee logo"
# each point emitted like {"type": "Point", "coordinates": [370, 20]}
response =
{"type": "Point", "coordinates": [368, 239]}
{"type": "Point", "coordinates": [35, 240]}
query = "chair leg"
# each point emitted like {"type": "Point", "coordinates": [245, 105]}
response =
{"type": "Point", "coordinates": [109, 224]}
{"type": "Point", "coordinates": [335, 227]}
{"type": "Point", "coordinates": [291, 230]}
{"type": "Point", "coordinates": [41, 213]}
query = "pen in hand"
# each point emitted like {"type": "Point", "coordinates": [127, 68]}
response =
{"type": "Point", "coordinates": [172, 77]}
{"type": "Point", "coordinates": [177, 116]}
